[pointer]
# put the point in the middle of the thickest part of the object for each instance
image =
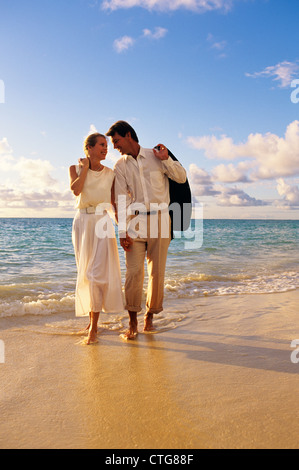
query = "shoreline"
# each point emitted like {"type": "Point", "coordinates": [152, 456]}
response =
{"type": "Point", "coordinates": [222, 378]}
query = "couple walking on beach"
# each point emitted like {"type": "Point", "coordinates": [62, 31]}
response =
{"type": "Point", "coordinates": [138, 191]}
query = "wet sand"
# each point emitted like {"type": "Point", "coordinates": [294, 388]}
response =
{"type": "Point", "coordinates": [222, 378]}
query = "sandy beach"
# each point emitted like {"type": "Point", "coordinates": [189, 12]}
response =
{"type": "Point", "coordinates": [222, 378]}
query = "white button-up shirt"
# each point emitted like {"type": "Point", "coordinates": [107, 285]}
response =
{"type": "Point", "coordinates": [144, 180]}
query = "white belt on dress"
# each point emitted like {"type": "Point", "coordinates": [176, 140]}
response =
{"type": "Point", "coordinates": [92, 210]}
{"type": "Point", "coordinates": [88, 210]}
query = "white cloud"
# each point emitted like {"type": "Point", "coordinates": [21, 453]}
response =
{"type": "Point", "coordinates": [202, 185]}
{"type": "Point", "coordinates": [222, 148]}
{"type": "Point", "coordinates": [271, 156]}
{"type": "Point", "coordinates": [198, 175]}
{"type": "Point", "coordinates": [92, 129]}
{"type": "Point", "coordinates": [282, 72]}
{"type": "Point", "coordinates": [237, 197]}
{"type": "Point", "coordinates": [123, 43]}
{"type": "Point", "coordinates": [158, 33]}
{"type": "Point", "coordinates": [28, 183]}
{"type": "Point", "coordinates": [290, 193]}
{"type": "Point", "coordinates": [18, 198]}
{"type": "Point", "coordinates": [199, 6]}
{"type": "Point", "coordinates": [5, 148]}
{"type": "Point", "coordinates": [34, 173]}
{"type": "Point", "coordinates": [218, 45]}
{"type": "Point", "coordinates": [200, 181]}
{"type": "Point", "coordinates": [231, 173]}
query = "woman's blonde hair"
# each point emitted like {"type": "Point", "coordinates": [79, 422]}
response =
{"type": "Point", "coordinates": [91, 140]}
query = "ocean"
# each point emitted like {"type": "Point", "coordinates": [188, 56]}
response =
{"type": "Point", "coordinates": [214, 258]}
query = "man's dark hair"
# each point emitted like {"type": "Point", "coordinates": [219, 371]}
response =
{"type": "Point", "coordinates": [122, 128]}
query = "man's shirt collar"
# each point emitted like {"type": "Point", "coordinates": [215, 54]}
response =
{"type": "Point", "coordinates": [140, 154]}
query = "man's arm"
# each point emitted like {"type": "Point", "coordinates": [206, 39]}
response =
{"type": "Point", "coordinates": [172, 168]}
{"type": "Point", "coordinates": [122, 202]}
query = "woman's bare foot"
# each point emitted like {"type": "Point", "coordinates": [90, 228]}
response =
{"type": "Point", "coordinates": [148, 322]}
{"type": "Point", "coordinates": [84, 331]}
{"type": "Point", "coordinates": [93, 329]}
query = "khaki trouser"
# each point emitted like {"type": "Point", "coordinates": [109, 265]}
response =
{"type": "Point", "coordinates": [155, 249]}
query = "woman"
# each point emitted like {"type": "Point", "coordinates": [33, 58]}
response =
{"type": "Point", "coordinates": [98, 285]}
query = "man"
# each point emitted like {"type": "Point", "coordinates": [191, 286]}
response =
{"type": "Point", "coordinates": [141, 177]}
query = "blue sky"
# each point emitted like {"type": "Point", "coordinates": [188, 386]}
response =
{"type": "Point", "coordinates": [212, 79]}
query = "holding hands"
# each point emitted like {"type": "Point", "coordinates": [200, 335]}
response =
{"type": "Point", "coordinates": [126, 242]}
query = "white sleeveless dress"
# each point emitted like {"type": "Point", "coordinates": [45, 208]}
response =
{"type": "Point", "coordinates": [98, 286]}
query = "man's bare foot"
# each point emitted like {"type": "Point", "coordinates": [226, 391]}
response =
{"type": "Point", "coordinates": [132, 332]}
{"type": "Point", "coordinates": [148, 322]}
{"type": "Point", "coordinates": [129, 334]}
{"type": "Point", "coordinates": [92, 337]}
